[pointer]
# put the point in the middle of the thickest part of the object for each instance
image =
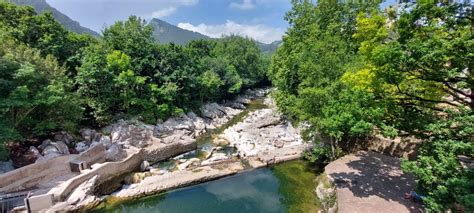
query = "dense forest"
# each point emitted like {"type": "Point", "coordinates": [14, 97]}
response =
{"type": "Point", "coordinates": [350, 71]}
{"type": "Point", "coordinates": [345, 72]}
{"type": "Point", "coordinates": [52, 79]}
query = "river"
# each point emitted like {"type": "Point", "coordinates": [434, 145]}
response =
{"type": "Point", "coordinates": [287, 187]}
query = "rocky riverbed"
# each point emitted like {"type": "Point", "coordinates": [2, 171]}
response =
{"type": "Point", "coordinates": [139, 159]}
{"type": "Point", "coordinates": [262, 138]}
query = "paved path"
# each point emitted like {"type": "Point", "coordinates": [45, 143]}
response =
{"type": "Point", "coordinates": [371, 182]}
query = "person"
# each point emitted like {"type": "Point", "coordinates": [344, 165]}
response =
{"type": "Point", "coordinates": [413, 196]}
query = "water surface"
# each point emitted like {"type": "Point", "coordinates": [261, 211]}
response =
{"type": "Point", "coordinates": [288, 187]}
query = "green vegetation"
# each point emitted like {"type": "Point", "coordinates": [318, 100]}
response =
{"type": "Point", "coordinates": [41, 6]}
{"type": "Point", "coordinates": [349, 71]}
{"type": "Point", "coordinates": [52, 79]}
{"type": "Point", "coordinates": [346, 71]}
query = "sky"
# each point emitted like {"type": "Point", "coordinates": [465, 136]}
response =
{"type": "Point", "coordinates": [261, 20]}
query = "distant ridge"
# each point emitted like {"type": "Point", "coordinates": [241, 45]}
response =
{"type": "Point", "coordinates": [165, 32]}
{"type": "Point", "coordinates": [41, 6]}
{"type": "Point", "coordinates": [269, 48]}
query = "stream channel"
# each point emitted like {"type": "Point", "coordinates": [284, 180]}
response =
{"type": "Point", "coordinates": [286, 187]}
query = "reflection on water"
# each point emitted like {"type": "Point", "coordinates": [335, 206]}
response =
{"type": "Point", "coordinates": [287, 187]}
{"type": "Point", "coordinates": [255, 191]}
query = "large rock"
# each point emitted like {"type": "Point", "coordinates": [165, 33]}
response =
{"type": "Point", "coordinates": [215, 158]}
{"type": "Point", "coordinates": [182, 124]}
{"type": "Point", "coordinates": [62, 147]}
{"type": "Point", "coordinates": [218, 115]}
{"type": "Point", "coordinates": [144, 166]}
{"type": "Point", "coordinates": [105, 140]}
{"type": "Point", "coordinates": [22, 156]}
{"type": "Point", "coordinates": [213, 111]}
{"type": "Point", "coordinates": [58, 147]}
{"type": "Point", "coordinates": [263, 131]}
{"type": "Point", "coordinates": [187, 163]}
{"type": "Point", "coordinates": [162, 149]}
{"type": "Point", "coordinates": [115, 153]}
{"type": "Point", "coordinates": [81, 146]}
{"type": "Point", "coordinates": [199, 123]}
{"type": "Point", "coordinates": [88, 135]}
{"type": "Point", "coordinates": [131, 133]}
{"type": "Point", "coordinates": [84, 193]}
{"type": "Point", "coordinates": [235, 105]}
{"type": "Point", "coordinates": [64, 137]}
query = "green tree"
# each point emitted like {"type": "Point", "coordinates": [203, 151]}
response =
{"type": "Point", "coordinates": [308, 71]}
{"type": "Point", "coordinates": [210, 83]}
{"type": "Point", "coordinates": [44, 33]}
{"type": "Point", "coordinates": [35, 94]}
{"type": "Point", "coordinates": [243, 54]}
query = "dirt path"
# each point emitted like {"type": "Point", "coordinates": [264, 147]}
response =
{"type": "Point", "coordinates": [371, 182]}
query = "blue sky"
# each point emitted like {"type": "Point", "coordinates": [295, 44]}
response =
{"type": "Point", "coordinates": [259, 19]}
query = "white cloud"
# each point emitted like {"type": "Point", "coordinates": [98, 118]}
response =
{"type": "Point", "coordinates": [259, 32]}
{"type": "Point", "coordinates": [171, 7]}
{"type": "Point", "coordinates": [245, 5]}
{"type": "Point", "coordinates": [163, 12]}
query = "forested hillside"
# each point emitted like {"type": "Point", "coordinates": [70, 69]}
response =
{"type": "Point", "coordinates": [350, 71]}
{"type": "Point", "coordinates": [168, 33]}
{"type": "Point", "coordinates": [163, 31]}
{"type": "Point", "coordinates": [53, 79]}
{"type": "Point", "coordinates": [41, 6]}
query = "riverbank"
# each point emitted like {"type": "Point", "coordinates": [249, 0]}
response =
{"type": "Point", "coordinates": [274, 141]}
{"type": "Point", "coordinates": [261, 139]}
{"type": "Point", "coordinates": [138, 159]}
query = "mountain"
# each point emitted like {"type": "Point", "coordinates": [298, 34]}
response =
{"type": "Point", "coordinates": [269, 48]}
{"type": "Point", "coordinates": [42, 6]}
{"type": "Point", "coordinates": [165, 32]}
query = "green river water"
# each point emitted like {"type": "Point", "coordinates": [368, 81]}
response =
{"type": "Point", "coordinates": [287, 187]}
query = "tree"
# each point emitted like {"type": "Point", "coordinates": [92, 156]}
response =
{"type": "Point", "coordinates": [308, 71]}
{"type": "Point", "coordinates": [440, 176]}
{"type": "Point", "coordinates": [135, 38]}
{"type": "Point", "coordinates": [346, 70]}
{"type": "Point", "coordinates": [244, 55]}
{"type": "Point", "coordinates": [35, 94]}
{"type": "Point", "coordinates": [44, 33]}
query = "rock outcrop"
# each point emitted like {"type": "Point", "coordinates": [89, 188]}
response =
{"type": "Point", "coordinates": [265, 136]}
{"type": "Point", "coordinates": [217, 115]}
{"type": "Point", "coordinates": [131, 133]}
{"type": "Point", "coordinates": [127, 147]}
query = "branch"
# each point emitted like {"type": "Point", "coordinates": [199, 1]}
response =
{"type": "Point", "coordinates": [457, 90]}
{"type": "Point", "coordinates": [456, 97]}
{"type": "Point", "coordinates": [425, 100]}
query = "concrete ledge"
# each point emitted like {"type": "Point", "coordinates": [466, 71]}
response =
{"type": "Point", "coordinates": [160, 183]}
{"type": "Point", "coordinates": [39, 202]}
{"type": "Point", "coordinates": [30, 176]}
{"type": "Point", "coordinates": [105, 172]}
